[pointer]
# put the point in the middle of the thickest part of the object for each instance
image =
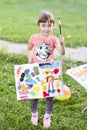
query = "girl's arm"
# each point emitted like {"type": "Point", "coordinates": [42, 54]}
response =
{"type": "Point", "coordinates": [29, 52]}
{"type": "Point", "coordinates": [61, 45]}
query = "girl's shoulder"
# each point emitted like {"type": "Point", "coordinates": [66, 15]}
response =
{"type": "Point", "coordinates": [54, 38]}
{"type": "Point", "coordinates": [34, 36]}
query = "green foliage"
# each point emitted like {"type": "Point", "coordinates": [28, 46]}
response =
{"type": "Point", "coordinates": [18, 19]}
{"type": "Point", "coordinates": [15, 115]}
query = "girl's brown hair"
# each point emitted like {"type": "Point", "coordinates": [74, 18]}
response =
{"type": "Point", "coordinates": [46, 16]}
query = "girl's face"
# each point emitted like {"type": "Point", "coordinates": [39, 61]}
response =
{"type": "Point", "coordinates": [46, 28]}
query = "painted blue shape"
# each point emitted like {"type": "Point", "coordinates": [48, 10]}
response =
{"type": "Point", "coordinates": [53, 91]}
{"type": "Point", "coordinates": [49, 91]}
{"type": "Point", "coordinates": [19, 87]}
{"type": "Point", "coordinates": [29, 86]}
{"type": "Point", "coordinates": [55, 64]}
{"type": "Point", "coordinates": [49, 65]}
{"type": "Point", "coordinates": [45, 65]}
{"type": "Point", "coordinates": [26, 71]}
{"type": "Point", "coordinates": [32, 81]}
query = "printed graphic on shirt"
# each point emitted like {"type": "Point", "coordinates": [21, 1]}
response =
{"type": "Point", "coordinates": [43, 51]}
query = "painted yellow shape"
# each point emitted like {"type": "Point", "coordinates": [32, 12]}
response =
{"type": "Point", "coordinates": [57, 85]}
{"type": "Point", "coordinates": [81, 72]}
{"type": "Point", "coordinates": [18, 76]}
{"type": "Point", "coordinates": [23, 87]}
{"type": "Point", "coordinates": [36, 88]}
{"type": "Point", "coordinates": [44, 88]}
{"type": "Point", "coordinates": [46, 72]}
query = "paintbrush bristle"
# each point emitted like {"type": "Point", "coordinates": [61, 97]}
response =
{"type": "Point", "coordinates": [58, 18]}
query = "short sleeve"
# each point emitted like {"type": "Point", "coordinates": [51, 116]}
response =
{"type": "Point", "coordinates": [31, 39]}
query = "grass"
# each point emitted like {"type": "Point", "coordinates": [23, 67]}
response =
{"type": "Point", "coordinates": [15, 115]}
{"type": "Point", "coordinates": [18, 19]}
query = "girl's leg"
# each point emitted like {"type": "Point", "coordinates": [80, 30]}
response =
{"type": "Point", "coordinates": [47, 116]}
{"type": "Point", "coordinates": [49, 105]}
{"type": "Point", "coordinates": [34, 111]}
{"type": "Point", "coordinates": [33, 105]}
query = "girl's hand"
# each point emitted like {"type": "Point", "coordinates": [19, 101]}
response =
{"type": "Point", "coordinates": [61, 39]}
{"type": "Point", "coordinates": [30, 61]}
{"type": "Point", "coordinates": [61, 46]}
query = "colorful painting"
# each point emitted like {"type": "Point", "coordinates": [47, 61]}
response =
{"type": "Point", "coordinates": [79, 74]}
{"type": "Point", "coordinates": [38, 80]}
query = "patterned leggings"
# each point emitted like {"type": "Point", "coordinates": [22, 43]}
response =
{"type": "Point", "coordinates": [49, 105]}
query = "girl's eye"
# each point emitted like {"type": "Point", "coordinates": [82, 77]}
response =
{"type": "Point", "coordinates": [43, 25]}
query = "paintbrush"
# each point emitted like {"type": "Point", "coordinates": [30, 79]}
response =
{"type": "Point", "coordinates": [85, 109]}
{"type": "Point", "coordinates": [59, 25]}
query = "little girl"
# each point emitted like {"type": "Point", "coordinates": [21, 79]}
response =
{"type": "Point", "coordinates": [41, 49]}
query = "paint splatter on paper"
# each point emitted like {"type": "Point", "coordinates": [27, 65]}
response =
{"type": "Point", "coordinates": [38, 80]}
{"type": "Point", "coordinates": [79, 74]}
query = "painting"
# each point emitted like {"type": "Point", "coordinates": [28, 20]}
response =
{"type": "Point", "coordinates": [79, 73]}
{"type": "Point", "coordinates": [38, 80]}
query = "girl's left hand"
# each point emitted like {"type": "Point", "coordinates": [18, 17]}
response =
{"type": "Point", "coordinates": [61, 39]}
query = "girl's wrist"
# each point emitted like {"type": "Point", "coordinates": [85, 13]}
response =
{"type": "Point", "coordinates": [62, 43]}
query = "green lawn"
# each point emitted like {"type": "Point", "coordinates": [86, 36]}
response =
{"type": "Point", "coordinates": [15, 115]}
{"type": "Point", "coordinates": [18, 19]}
